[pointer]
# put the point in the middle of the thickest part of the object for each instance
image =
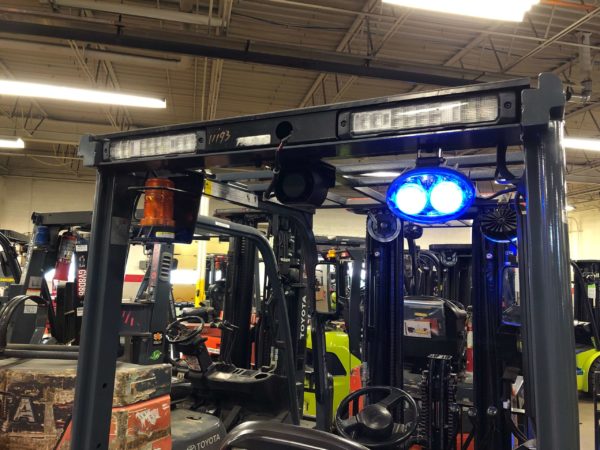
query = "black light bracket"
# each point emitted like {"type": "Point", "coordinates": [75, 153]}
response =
{"type": "Point", "coordinates": [430, 160]}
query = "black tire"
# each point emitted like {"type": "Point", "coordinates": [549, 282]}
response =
{"type": "Point", "coordinates": [595, 367]}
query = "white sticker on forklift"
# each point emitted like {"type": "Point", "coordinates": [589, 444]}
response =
{"type": "Point", "coordinates": [165, 235]}
{"type": "Point", "coordinates": [35, 282]}
{"type": "Point", "coordinates": [249, 141]}
{"type": "Point", "coordinates": [417, 328]}
{"type": "Point", "coordinates": [30, 307]}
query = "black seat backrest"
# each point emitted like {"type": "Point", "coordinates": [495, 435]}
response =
{"type": "Point", "coordinates": [278, 436]}
{"type": "Point", "coordinates": [201, 311]}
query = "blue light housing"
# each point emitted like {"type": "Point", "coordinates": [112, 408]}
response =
{"type": "Point", "coordinates": [430, 195]}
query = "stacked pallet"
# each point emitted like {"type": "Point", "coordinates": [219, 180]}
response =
{"type": "Point", "coordinates": [36, 401]}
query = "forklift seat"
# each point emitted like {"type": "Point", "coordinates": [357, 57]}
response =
{"type": "Point", "coordinates": [278, 436]}
{"type": "Point", "coordinates": [205, 312]}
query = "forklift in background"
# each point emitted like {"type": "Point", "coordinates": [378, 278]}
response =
{"type": "Point", "coordinates": [12, 246]}
{"type": "Point", "coordinates": [586, 298]}
{"type": "Point", "coordinates": [57, 240]}
{"type": "Point", "coordinates": [340, 283]}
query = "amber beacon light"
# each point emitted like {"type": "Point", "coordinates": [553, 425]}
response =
{"type": "Point", "coordinates": [158, 203]}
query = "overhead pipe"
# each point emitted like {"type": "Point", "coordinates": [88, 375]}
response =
{"type": "Point", "coordinates": [142, 11]}
{"type": "Point", "coordinates": [181, 63]}
{"type": "Point", "coordinates": [585, 66]}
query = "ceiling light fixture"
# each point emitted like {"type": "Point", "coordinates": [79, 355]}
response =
{"type": "Point", "coordinates": [582, 144]}
{"type": "Point", "coordinates": [381, 174]}
{"type": "Point", "coordinates": [569, 208]}
{"type": "Point", "coordinates": [11, 142]}
{"type": "Point", "coordinates": [508, 10]}
{"type": "Point", "coordinates": [38, 90]}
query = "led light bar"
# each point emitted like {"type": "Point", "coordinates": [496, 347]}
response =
{"type": "Point", "coordinates": [471, 110]}
{"type": "Point", "coordinates": [154, 146]}
{"type": "Point", "coordinates": [429, 195]}
{"type": "Point", "coordinates": [508, 10]}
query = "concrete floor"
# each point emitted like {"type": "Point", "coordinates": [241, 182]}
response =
{"type": "Point", "coordinates": [586, 421]}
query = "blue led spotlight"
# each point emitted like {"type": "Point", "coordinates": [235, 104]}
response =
{"type": "Point", "coordinates": [430, 195]}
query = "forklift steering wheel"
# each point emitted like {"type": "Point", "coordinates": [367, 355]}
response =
{"type": "Point", "coordinates": [374, 426]}
{"type": "Point", "coordinates": [177, 332]}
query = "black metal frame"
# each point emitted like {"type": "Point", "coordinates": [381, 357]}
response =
{"type": "Point", "coordinates": [534, 119]}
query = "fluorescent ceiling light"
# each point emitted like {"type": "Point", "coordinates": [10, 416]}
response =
{"type": "Point", "coordinates": [38, 90]}
{"type": "Point", "coordinates": [381, 174]}
{"type": "Point", "coordinates": [582, 144]}
{"type": "Point", "coordinates": [509, 10]}
{"type": "Point", "coordinates": [7, 142]}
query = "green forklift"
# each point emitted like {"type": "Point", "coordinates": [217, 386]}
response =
{"type": "Point", "coordinates": [586, 296]}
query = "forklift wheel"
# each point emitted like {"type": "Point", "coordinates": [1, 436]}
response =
{"type": "Point", "coordinates": [595, 367]}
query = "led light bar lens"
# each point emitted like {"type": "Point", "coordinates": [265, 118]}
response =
{"type": "Point", "coordinates": [154, 146]}
{"type": "Point", "coordinates": [429, 195]}
{"type": "Point", "coordinates": [427, 115]}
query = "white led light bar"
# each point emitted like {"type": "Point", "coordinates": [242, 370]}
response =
{"type": "Point", "coordinates": [154, 146]}
{"type": "Point", "coordinates": [427, 115]}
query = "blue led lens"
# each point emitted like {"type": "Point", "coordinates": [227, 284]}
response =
{"type": "Point", "coordinates": [429, 195]}
{"type": "Point", "coordinates": [447, 197]}
{"type": "Point", "coordinates": [411, 198]}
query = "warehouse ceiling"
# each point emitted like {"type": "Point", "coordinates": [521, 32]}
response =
{"type": "Point", "coordinates": [277, 54]}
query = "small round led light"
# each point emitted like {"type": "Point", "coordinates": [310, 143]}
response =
{"type": "Point", "coordinates": [411, 198]}
{"type": "Point", "coordinates": [447, 197]}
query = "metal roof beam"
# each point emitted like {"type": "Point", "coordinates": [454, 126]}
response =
{"type": "Point", "coordinates": [142, 11]}
{"type": "Point", "coordinates": [256, 52]}
{"type": "Point", "coordinates": [575, 25]}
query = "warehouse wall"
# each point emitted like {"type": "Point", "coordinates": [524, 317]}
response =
{"type": "Point", "coordinates": [584, 234]}
{"type": "Point", "coordinates": [330, 222]}
{"type": "Point", "coordinates": [2, 197]}
{"type": "Point", "coordinates": [22, 196]}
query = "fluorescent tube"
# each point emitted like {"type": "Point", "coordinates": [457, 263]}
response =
{"type": "Point", "coordinates": [38, 90]}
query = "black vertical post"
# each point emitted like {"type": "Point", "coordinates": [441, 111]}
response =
{"type": "Point", "coordinates": [384, 321]}
{"type": "Point", "coordinates": [488, 259]}
{"type": "Point", "coordinates": [548, 305]}
{"type": "Point", "coordinates": [102, 313]}
{"type": "Point", "coordinates": [377, 329]}
{"type": "Point", "coordinates": [238, 302]}
{"type": "Point", "coordinates": [397, 313]}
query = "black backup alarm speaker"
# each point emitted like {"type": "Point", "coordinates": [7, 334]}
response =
{"type": "Point", "coordinates": [304, 183]}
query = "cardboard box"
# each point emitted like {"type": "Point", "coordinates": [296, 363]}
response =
{"type": "Point", "coordinates": [36, 398]}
